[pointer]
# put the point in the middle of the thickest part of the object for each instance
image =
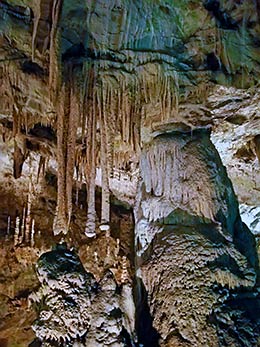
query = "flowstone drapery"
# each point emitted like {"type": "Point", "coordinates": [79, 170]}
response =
{"type": "Point", "coordinates": [196, 260]}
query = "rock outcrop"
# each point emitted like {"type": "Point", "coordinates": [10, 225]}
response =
{"type": "Point", "coordinates": [75, 310]}
{"type": "Point", "coordinates": [106, 107]}
{"type": "Point", "coordinates": [197, 262]}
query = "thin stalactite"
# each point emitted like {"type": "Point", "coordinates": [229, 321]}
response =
{"type": "Point", "coordinates": [54, 55]}
{"type": "Point", "coordinates": [71, 149]}
{"type": "Point", "coordinates": [60, 224]}
{"type": "Point", "coordinates": [105, 198]}
{"type": "Point", "coordinates": [67, 123]}
{"type": "Point", "coordinates": [91, 179]}
{"type": "Point", "coordinates": [37, 16]}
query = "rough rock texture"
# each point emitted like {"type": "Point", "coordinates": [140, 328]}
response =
{"type": "Point", "coordinates": [196, 259]}
{"type": "Point", "coordinates": [76, 310]}
{"type": "Point", "coordinates": [235, 135]}
{"type": "Point", "coordinates": [17, 281]}
{"type": "Point", "coordinates": [85, 88]}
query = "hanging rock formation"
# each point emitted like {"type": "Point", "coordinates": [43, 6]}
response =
{"type": "Point", "coordinates": [196, 260]}
{"type": "Point", "coordinates": [105, 109]}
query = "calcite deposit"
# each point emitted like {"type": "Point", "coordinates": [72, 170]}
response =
{"type": "Point", "coordinates": [129, 173]}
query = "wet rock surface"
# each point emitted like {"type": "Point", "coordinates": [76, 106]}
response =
{"type": "Point", "coordinates": [75, 309]}
{"type": "Point", "coordinates": [96, 96]}
{"type": "Point", "coordinates": [200, 278]}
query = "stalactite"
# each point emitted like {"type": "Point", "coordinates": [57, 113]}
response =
{"type": "Point", "coordinates": [77, 193]}
{"type": "Point", "coordinates": [67, 123]}
{"type": "Point", "coordinates": [41, 167]}
{"type": "Point", "coordinates": [91, 168]}
{"type": "Point", "coordinates": [108, 253]}
{"type": "Point", "coordinates": [54, 43]}
{"type": "Point", "coordinates": [176, 91]}
{"type": "Point", "coordinates": [105, 198]}
{"type": "Point", "coordinates": [109, 129]}
{"type": "Point", "coordinates": [87, 88]}
{"type": "Point", "coordinates": [167, 174]}
{"type": "Point", "coordinates": [60, 224]}
{"type": "Point", "coordinates": [106, 228]}
{"type": "Point", "coordinates": [36, 19]}
{"type": "Point", "coordinates": [71, 145]}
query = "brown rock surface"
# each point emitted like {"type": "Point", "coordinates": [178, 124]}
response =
{"type": "Point", "coordinates": [85, 88]}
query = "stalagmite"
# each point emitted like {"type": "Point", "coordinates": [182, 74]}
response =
{"type": "Point", "coordinates": [32, 233]}
{"type": "Point", "coordinates": [23, 225]}
{"type": "Point", "coordinates": [17, 231]}
{"type": "Point", "coordinates": [28, 216]}
{"type": "Point", "coordinates": [124, 274]}
{"type": "Point", "coordinates": [117, 249]}
{"type": "Point", "coordinates": [8, 227]}
{"type": "Point", "coordinates": [106, 228]}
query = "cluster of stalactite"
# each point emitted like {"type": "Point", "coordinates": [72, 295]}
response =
{"type": "Point", "coordinates": [98, 122]}
{"type": "Point", "coordinates": [112, 114]}
{"type": "Point", "coordinates": [167, 174]}
{"type": "Point", "coordinates": [99, 118]}
{"type": "Point", "coordinates": [109, 116]}
{"type": "Point", "coordinates": [179, 178]}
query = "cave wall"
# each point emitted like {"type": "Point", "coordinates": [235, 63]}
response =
{"type": "Point", "coordinates": [98, 96]}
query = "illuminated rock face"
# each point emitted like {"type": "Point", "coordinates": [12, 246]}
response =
{"type": "Point", "coordinates": [76, 310]}
{"type": "Point", "coordinates": [197, 262]}
{"type": "Point", "coordinates": [103, 75]}
{"type": "Point", "coordinates": [89, 91]}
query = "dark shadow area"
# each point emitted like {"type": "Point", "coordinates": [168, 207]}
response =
{"type": "Point", "coordinates": [245, 242]}
{"type": "Point", "coordinates": [212, 62]}
{"type": "Point", "coordinates": [44, 132]}
{"type": "Point", "coordinates": [241, 323]}
{"type": "Point", "coordinates": [126, 339]}
{"type": "Point", "coordinates": [148, 336]}
{"type": "Point", "coordinates": [224, 21]}
{"type": "Point", "coordinates": [31, 68]}
{"type": "Point", "coordinates": [225, 262]}
{"type": "Point", "coordinates": [76, 51]}
{"type": "Point", "coordinates": [35, 343]}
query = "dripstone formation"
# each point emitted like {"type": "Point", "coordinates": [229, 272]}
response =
{"type": "Point", "coordinates": [197, 261]}
{"type": "Point", "coordinates": [75, 310]}
{"type": "Point", "coordinates": [129, 131]}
